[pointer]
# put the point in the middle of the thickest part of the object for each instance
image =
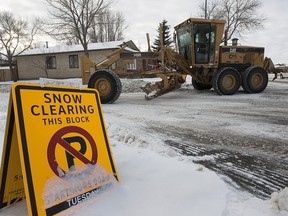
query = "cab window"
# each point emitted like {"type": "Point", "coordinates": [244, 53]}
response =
{"type": "Point", "coordinates": [204, 39]}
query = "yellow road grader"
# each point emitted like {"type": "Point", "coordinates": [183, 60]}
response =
{"type": "Point", "coordinates": [199, 54]}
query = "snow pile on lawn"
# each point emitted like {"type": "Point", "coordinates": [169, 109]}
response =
{"type": "Point", "coordinates": [131, 86]}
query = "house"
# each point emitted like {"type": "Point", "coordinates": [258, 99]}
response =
{"type": "Point", "coordinates": [5, 74]}
{"type": "Point", "coordinates": [63, 61]}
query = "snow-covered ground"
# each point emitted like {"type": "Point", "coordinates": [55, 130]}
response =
{"type": "Point", "coordinates": [155, 179]}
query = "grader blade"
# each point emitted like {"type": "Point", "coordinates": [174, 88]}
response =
{"type": "Point", "coordinates": [168, 83]}
{"type": "Point", "coordinates": [158, 92]}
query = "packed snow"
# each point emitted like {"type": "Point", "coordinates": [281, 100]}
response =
{"type": "Point", "coordinates": [156, 180]}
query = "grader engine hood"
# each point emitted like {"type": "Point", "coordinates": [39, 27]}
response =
{"type": "Point", "coordinates": [242, 55]}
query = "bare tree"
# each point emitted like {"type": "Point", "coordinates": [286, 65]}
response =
{"type": "Point", "coordinates": [40, 64]}
{"type": "Point", "coordinates": [108, 26]}
{"type": "Point", "coordinates": [15, 38]}
{"type": "Point", "coordinates": [241, 15]}
{"type": "Point", "coordinates": [211, 8]}
{"type": "Point", "coordinates": [71, 20]}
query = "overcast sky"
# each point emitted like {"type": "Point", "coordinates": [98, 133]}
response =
{"type": "Point", "coordinates": [143, 16]}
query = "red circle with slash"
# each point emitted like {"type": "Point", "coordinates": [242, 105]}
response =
{"type": "Point", "coordinates": [57, 139]}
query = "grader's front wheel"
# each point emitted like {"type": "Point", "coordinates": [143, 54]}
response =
{"type": "Point", "coordinates": [108, 84]}
{"type": "Point", "coordinates": [200, 86]}
{"type": "Point", "coordinates": [226, 81]}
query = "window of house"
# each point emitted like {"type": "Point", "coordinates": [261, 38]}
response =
{"type": "Point", "coordinates": [51, 62]}
{"type": "Point", "coordinates": [73, 61]}
{"type": "Point", "coordinates": [132, 66]}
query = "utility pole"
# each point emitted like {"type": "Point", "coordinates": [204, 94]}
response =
{"type": "Point", "coordinates": [205, 9]}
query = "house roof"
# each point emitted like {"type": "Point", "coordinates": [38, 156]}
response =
{"type": "Point", "coordinates": [4, 68]}
{"type": "Point", "coordinates": [79, 48]}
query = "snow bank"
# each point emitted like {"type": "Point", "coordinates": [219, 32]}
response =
{"type": "Point", "coordinates": [154, 185]}
{"type": "Point", "coordinates": [131, 86]}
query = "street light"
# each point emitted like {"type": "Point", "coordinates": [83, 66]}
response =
{"type": "Point", "coordinates": [205, 9]}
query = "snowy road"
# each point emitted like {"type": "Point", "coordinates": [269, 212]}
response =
{"type": "Point", "coordinates": [166, 142]}
{"type": "Point", "coordinates": [242, 137]}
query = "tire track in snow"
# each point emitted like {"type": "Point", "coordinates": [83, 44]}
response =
{"type": "Point", "coordinates": [257, 175]}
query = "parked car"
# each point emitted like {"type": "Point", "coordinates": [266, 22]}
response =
{"type": "Point", "coordinates": [282, 69]}
{"type": "Point", "coordinates": [283, 75]}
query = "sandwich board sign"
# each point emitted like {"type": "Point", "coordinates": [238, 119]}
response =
{"type": "Point", "coordinates": [56, 151]}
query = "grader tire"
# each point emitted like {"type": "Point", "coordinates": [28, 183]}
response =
{"type": "Point", "coordinates": [226, 81]}
{"type": "Point", "coordinates": [108, 84]}
{"type": "Point", "coordinates": [200, 86]}
{"type": "Point", "coordinates": [254, 80]}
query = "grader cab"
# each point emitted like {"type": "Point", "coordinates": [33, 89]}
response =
{"type": "Point", "coordinates": [200, 55]}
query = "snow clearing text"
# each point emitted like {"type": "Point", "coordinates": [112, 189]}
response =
{"type": "Point", "coordinates": [65, 105]}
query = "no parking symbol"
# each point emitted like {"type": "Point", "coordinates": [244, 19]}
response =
{"type": "Point", "coordinates": [62, 138]}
